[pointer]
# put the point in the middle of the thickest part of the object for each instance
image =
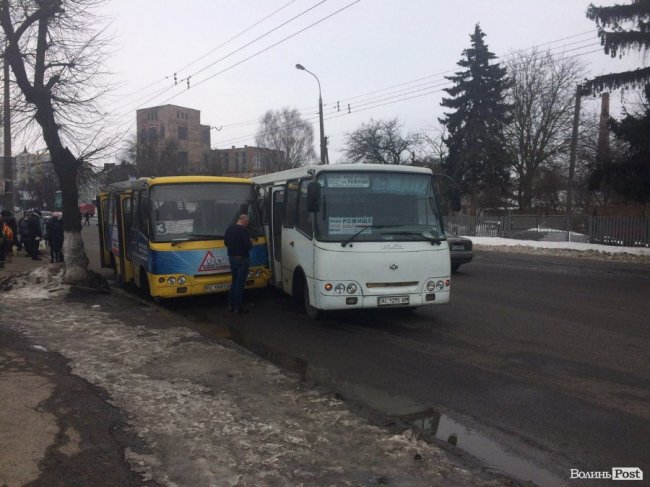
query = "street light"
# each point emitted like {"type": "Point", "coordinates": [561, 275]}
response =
{"type": "Point", "coordinates": [323, 144]}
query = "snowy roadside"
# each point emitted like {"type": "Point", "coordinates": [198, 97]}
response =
{"type": "Point", "coordinates": [569, 249]}
{"type": "Point", "coordinates": [212, 415]}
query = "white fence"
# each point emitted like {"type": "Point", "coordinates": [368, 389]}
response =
{"type": "Point", "coordinates": [606, 230]}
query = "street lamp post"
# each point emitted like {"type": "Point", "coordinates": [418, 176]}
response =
{"type": "Point", "coordinates": [323, 143]}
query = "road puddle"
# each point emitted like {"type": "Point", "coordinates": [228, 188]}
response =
{"type": "Point", "coordinates": [481, 444]}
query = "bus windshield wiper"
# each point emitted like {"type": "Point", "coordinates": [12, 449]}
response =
{"type": "Point", "coordinates": [433, 239]}
{"type": "Point", "coordinates": [204, 236]}
{"type": "Point", "coordinates": [343, 244]}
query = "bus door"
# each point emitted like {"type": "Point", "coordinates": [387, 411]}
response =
{"type": "Point", "coordinates": [102, 221]}
{"type": "Point", "coordinates": [123, 262]}
{"type": "Point", "coordinates": [275, 237]}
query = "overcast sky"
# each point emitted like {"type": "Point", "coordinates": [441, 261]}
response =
{"type": "Point", "coordinates": [386, 58]}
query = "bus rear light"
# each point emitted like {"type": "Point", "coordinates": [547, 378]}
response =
{"type": "Point", "coordinates": [328, 287]}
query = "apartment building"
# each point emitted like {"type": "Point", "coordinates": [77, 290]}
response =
{"type": "Point", "coordinates": [172, 140]}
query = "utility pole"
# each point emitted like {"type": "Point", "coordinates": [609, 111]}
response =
{"type": "Point", "coordinates": [7, 160]}
{"type": "Point", "coordinates": [572, 162]}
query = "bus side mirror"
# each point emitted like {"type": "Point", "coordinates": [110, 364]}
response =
{"type": "Point", "coordinates": [313, 197]}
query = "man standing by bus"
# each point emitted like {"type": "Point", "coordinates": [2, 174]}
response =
{"type": "Point", "coordinates": [239, 243]}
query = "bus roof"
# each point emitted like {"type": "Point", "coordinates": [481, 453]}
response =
{"type": "Point", "coordinates": [316, 169]}
{"type": "Point", "coordinates": [145, 182]}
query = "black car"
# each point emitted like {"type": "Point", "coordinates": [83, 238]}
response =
{"type": "Point", "coordinates": [460, 249]}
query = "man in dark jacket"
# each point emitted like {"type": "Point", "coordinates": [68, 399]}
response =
{"type": "Point", "coordinates": [55, 238]}
{"type": "Point", "coordinates": [32, 236]}
{"type": "Point", "coordinates": [239, 243]}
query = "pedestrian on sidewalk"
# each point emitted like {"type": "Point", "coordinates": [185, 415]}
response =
{"type": "Point", "coordinates": [6, 241]}
{"type": "Point", "coordinates": [55, 238]}
{"type": "Point", "coordinates": [239, 243]}
{"type": "Point", "coordinates": [10, 220]}
{"type": "Point", "coordinates": [32, 237]}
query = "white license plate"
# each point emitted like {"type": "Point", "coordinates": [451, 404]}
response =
{"type": "Point", "coordinates": [392, 300]}
{"type": "Point", "coordinates": [217, 287]}
{"type": "Point", "coordinates": [457, 247]}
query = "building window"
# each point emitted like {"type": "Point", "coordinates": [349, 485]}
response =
{"type": "Point", "coordinates": [162, 131]}
{"type": "Point", "coordinates": [153, 133]}
{"type": "Point", "coordinates": [182, 157]}
{"type": "Point", "coordinates": [182, 133]}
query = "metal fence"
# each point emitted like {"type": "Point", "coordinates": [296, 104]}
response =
{"type": "Point", "coordinates": [606, 230]}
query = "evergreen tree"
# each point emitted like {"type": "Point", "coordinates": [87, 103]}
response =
{"type": "Point", "coordinates": [630, 176]}
{"type": "Point", "coordinates": [477, 157]}
{"type": "Point", "coordinates": [615, 38]}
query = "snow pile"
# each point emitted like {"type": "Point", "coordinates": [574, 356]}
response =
{"type": "Point", "coordinates": [574, 246]}
{"type": "Point", "coordinates": [40, 283]}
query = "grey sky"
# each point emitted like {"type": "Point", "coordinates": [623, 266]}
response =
{"type": "Point", "coordinates": [357, 53]}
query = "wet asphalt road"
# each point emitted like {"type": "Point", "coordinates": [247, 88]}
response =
{"type": "Point", "coordinates": [539, 364]}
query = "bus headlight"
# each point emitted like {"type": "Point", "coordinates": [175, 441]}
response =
{"type": "Point", "coordinates": [181, 280]}
{"type": "Point", "coordinates": [352, 288]}
{"type": "Point", "coordinates": [440, 285]}
{"type": "Point", "coordinates": [339, 288]}
{"type": "Point", "coordinates": [431, 285]}
{"type": "Point", "coordinates": [171, 281]}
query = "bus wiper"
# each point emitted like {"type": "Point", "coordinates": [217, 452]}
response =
{"type": "Point", "coordinates": [434, 240]}
{"type": "Point", "coordinates": [177, 241]}
{"type": "Point", "coordinates": [204, 236]}
{"type": "Point", "coordinates": [343, 244]}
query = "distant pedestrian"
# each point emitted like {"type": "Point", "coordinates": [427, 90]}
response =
{"type": "Point", "coordinates": [32, 235]}
{"type": "Point", "coordinates": [55, 238]}
{"type": "Point", "coordinates": [87, 218]}
{"type": "Point", "coordinates": [10, 220]}
{"type": "Point", "coordinates": [6, 241]}
{"type": "Point", "coordinates": [239, 243]}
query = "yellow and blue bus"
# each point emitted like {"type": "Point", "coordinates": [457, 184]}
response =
{"type": "Point", "coordinates": [165, 234]}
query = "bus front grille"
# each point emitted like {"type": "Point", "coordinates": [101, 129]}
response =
{"type": "Point", "coordinates": [391, 284]}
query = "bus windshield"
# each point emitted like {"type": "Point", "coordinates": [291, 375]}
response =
{"type": "Point", "coordinates": [377, 206]}
{"type": "Point", "coordinates": [200, 211]}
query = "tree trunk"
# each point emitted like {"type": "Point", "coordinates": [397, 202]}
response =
{"type": "Point", "coordinates": [76, 261]}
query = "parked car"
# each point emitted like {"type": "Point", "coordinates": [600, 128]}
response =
{"type": "Point", "coordinates": [460, 249]}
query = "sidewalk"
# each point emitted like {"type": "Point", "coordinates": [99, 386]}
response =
{"type": "Point", "coordinates": [104, 390]}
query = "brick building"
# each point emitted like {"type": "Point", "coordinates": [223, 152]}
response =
{"type": "Point", "coordinates": [247, 161]}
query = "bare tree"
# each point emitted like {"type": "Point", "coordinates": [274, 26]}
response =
{"type": "Point", "coordinates": [542, 97]}
{"type": "Point", "coordinates": [381, 142]}
{"type": "Point", "coordinates": [432, 148]}
{"type": "Point", "coordinates": [285, 130]}
{"type": "Point", "coordinates": [56, 54]}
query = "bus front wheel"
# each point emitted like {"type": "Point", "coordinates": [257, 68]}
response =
{"type": "Point", "coordinates": [311, 312]}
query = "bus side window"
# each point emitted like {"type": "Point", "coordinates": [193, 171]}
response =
{"type": "Point", "coordinates": [291, 206]}
{"type": "Point", "coordinates": [143, 218]}
{"type": "Point", "coordinates": [127, 211]}
{"type": "Point", "coordinates": [303, 223]}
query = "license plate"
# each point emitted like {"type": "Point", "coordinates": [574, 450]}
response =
{"type": "Point", "coordinates": [217, 287]}
{"type": "Point", "coordinates": [457, 247]}
{"type": "Point", "coordinates": [392, 300]}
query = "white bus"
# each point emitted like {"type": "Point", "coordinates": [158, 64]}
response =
{"type": "Point", "coordinates": [350, 236]}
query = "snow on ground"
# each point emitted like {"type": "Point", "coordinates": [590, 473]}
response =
{"type": "Point", "coordinates": [211, 415]}
{"type": "Point", "coordinates": [524, 245]}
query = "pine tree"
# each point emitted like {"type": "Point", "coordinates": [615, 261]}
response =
{"type": "Point", "coordinates": [616, 39]}
{"type": "Point", "coordinates": [477, 157]}
{"type": "Point", "coordinates": [630, 176]}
